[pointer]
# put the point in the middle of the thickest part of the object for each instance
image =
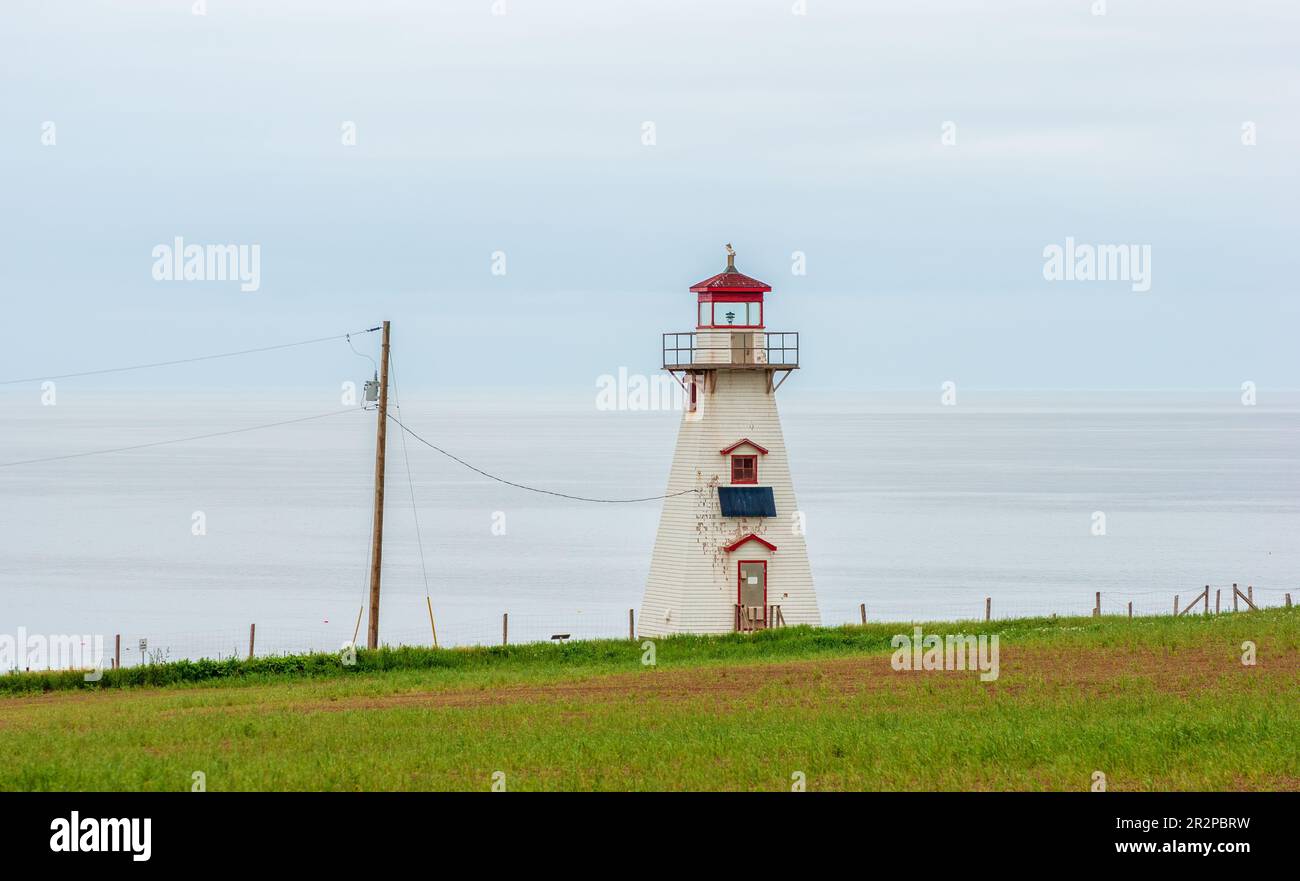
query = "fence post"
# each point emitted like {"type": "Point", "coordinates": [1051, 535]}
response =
{"type": "Point", "coordinates": [1207, 599]}
{"type": "Point", "coordinates": [117, 645]}
{"type": "Point", "coordinates": [505, 628]}
{"type": "Point", "coordinates": [1175, 605]}
{"type": "Point", "coordinates": [1218, 594]}
{"type": "Point", "coordinates": [1130, 608]}
{"type": "Point", "coordinates": [862, 607]}
{"type": "Point", "coordinates": [631, 624]}
{"type": "Point", "coordinates": [1096, 606]}
{"type": "Point", "coordinates": [252, 635]}
{"type": "Point", "coordinates": [1288, 601]}
{"type": "Point", "coordinates": [1250, 593]}
{"type": "Point", "coordinates": [1234, 596]}
{"type": "Point", "coordinates": [988, 608]}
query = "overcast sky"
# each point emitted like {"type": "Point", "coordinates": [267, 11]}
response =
{"type": "Point", "coordinates": [526, 133]}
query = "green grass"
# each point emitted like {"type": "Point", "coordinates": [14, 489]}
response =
{"type": "Point", "coordinates": [610, 655]}
{"type": "Point", "coordinates": [1167, 705]}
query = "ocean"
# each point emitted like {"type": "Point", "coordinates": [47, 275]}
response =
{"type": "Point", "coordinates": [918, 510]}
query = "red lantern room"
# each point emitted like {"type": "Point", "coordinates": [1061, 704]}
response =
{"type": "Point", "coordinates": [730, 298]}
{"type": "Point", "coordinates": [731, 332]}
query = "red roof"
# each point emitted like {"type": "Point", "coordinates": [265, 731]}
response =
{"type": "Point", "coordinates": [730, 280]}
{"type": "Point", "coordinates": [751, 537]}
{"type": "Point", "coordinates": [741, 443]}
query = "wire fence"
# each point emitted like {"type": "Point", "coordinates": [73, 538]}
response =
{"type": "Point", "coordinates": [132, 648]}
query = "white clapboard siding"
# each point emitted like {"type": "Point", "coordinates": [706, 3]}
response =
{"type": "Point", "coordinates": [692, 583]}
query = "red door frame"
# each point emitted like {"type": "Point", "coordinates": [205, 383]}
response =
{"type": "Point", "coordinates": [740, 583]}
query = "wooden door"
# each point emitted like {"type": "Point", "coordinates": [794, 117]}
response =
{"type": "Point", "coordinates": [741, 348]}
{"type": "Point", "coordinates": [752, 590]}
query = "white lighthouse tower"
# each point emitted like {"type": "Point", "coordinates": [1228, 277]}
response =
{"type": "Point", "coordinates": [730, 551]}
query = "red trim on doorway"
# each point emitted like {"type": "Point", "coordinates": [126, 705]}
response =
{"type": "Point", "coordinates": [751, 537]}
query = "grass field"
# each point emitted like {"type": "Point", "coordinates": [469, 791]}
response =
{"type": "Point", "coordinates": [1153, 703]}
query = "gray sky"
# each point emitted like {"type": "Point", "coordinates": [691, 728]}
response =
{"type": "Point", "coordinates": [777, 132]}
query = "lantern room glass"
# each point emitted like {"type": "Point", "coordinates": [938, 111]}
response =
{"type": "Point", "coordinates": [731, 314]}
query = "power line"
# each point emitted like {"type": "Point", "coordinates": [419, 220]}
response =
{"type": "Point", "coordinates": [323, 339]}
{"type": "Point", "coordinates": [179, 440]}
{"type": "Point", "coordinates": [348, 337]}
{"type": "Point", "coordinates": [410, 482]}
{"type": "Point", "coordinates": [534, 489]}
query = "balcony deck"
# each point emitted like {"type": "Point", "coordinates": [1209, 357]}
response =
{"type": "Point", "coordinates": [731, 350]}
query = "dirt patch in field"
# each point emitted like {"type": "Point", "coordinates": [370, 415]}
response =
{"type": "Point", "coordinates": [1098, 672]}
{"type": "Point", "coordinates": [1047, 671]}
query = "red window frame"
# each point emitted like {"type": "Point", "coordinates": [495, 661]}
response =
{"type": "Point", "coordinates": [740, 460]}
{"type": "Point", "coordinates": [730, 298]}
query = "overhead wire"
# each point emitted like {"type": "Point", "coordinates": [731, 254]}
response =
{"type": "Point", "coordinates": [371, 358]}
{"type": "Point", "coordinates": [102, 371]}
{"type": "Point", "coordinates": [179, 440]}
{"type": "Point", "coordinates": [405, 447]}
{"type": "Point", "coordinates": [410, 481]}
{"type": "Point", "coordinates": [524, 486]}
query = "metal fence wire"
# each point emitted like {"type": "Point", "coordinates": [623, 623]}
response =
{"type": "Point", "coordinates": [152, 647]}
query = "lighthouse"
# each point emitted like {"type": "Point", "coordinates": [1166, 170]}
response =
{"type": "Point", "coordinates": [730, 553]}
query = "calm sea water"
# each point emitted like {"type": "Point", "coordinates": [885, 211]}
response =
{"type": "Point", "coordinates": [918, 510]}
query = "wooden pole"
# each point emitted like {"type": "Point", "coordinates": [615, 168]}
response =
{"type": "Point", "coordinates": [631, 624]}
{"type": "Point", "coordinates": [988, 608]}
{"type": "Point", "coordinates": [1130, 608]}
{"type": "Point", "coordinates": [1250, 593]}
{"type": "Point", "coordinates": [252, 636]}
{"type": "Point", "coordinates": [1175, 605]}
{"type": "Point", "coordinates": [428, 602]}
{"type": "Point", "coordinates": [1218, 595]}
{"type": "Point", "coordinates": [1288, 601]}
{"type": "Point", "coordinates": [1234, 596]}
{"type": "Point", "coordinates": [505, 628]}
{"type": "Point", "coordinates": [1207, 599]}
{"type": "Point", "coordinates": [117, 645]}
{"type": "Point", "coordinates": [862, 607]}
{"type": "Point", "coordinates": [1096, 605]}
{"type": "Point", "coordinates": [355, 630]}
{"type": "Point", "coordinates": [377, 546]}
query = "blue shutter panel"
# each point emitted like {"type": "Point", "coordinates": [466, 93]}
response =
{"type": "Point", "coordinates": [747, 501]}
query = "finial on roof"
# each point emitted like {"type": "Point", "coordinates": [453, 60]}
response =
{"type": "Point", "coordinates": [731, 258]}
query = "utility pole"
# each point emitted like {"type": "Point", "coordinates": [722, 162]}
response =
{"type": "Point", "coordinates": [376, 550]}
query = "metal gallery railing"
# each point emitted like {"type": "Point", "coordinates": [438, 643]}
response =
{"type": "Point", "coordinates": [731, 348]}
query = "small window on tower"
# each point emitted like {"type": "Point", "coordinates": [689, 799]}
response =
{"type": "Point", "coordinates": [744, 469]}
